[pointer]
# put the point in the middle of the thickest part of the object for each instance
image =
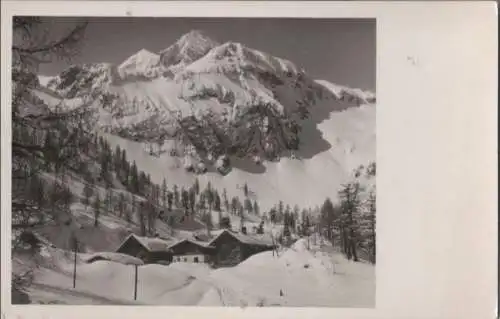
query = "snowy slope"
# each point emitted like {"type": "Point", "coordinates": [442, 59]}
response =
{"type": "Point", "coordinates": [44, 79]}
{"type": "Point", "coordinates": [228, 99]}
{"type": "Point", "coordinates": [232, 56]}
{"type": "Point", "coordinates": [143, 62]}
{"type": "Point", "coordinates": [341, 92]}
{"type": "Point", "coordinates": [318, 277]}
{"type": "Point", "coordinates": [347, 141]}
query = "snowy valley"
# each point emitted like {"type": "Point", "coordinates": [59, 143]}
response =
{"type": "Point", "coordinates": [174, 149]}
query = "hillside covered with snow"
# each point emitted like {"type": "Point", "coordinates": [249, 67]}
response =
{"type": "Point", "coordinates": [232, 113]}
{"type": "Point", "coordinates": [311, 275]}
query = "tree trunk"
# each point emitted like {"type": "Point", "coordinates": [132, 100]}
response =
{"type": "Point", "coordinates": [347, 246]}
{"type": "Point", "coordinates": [353, 245]}
{"type": "Point", "coordinates": [342, 240]}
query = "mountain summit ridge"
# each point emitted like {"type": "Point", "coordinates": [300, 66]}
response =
{"type": "Point", "coordinates": [203, 101]}
{"type": "Point", "coordinates": [187, 49]}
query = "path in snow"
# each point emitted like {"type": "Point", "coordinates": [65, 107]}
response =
{"type": "Point", "coordinates": [48, 294]}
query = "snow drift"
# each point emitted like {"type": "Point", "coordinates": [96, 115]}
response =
{"type": "Point", "coordinates": [315, 277]}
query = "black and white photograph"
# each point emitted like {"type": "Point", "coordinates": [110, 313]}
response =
{"type": "Point", "coordinates": [219, 159]}
{"type": "Point", "coordinates": [191, 161]}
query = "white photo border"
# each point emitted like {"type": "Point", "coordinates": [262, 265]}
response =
{"type": "Point", "coordinates": [436, 153]}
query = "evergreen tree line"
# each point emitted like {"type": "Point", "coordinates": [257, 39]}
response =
{"type": "Point", "coordinates": [139, 205]}
{"type": "Point", "coordinates": [194, 201]}
{"type": "Point", "coordinates": [350, 224]}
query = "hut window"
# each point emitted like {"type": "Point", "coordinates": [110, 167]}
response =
{"type": "Point", "coordinates": [195, 259]}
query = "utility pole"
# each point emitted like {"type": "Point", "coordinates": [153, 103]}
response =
{"type": "Point", "coordinates": [135, 284]}
{"type": "Point", "coordinates": [272, 239]}
{"type": "Point", "coordinates": [75, 246]}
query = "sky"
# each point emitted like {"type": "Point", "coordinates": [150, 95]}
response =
{"type": "Point", "coordinates": [342, 51]}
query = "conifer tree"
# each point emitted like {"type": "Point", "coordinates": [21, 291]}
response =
{"type": "Point", "coordinates": [88, 191]}
{"type": "Point", "coordinates": [151, 218]}
{"type": "Point", "coordinates": [97, 209]}
{"type": "Point", "coordinates": [170, 199]}
{"type": "Point", "coordinates": [117, 163]}
{"type": "Point", "coordinates": [121, 205]}
{"type": "Point", "coordinates": [242, 221]}
{"type": "Point", "coordinates": [176, 197]}
{"type": "Point", "coordinates": [350, 205]}
{"type": "Point", "coordinates": [202, 202]}
{"type": "Point", "coordinates": [192, 199]}
{"type": "Point", "coordinates": [281, 211]}
{"type": "Point", "coordinates": [226, 201]}
{"type": "Point", "coordinates": [328, 219]}
{"type": "Point", "coordinates": [142, 219]}
{"type": "Point", "coordinates": [207, 219]}
{"type": "Point", "coordinates": [234, 205]}
{"type": "Point", "coordinates": [197, 186]}
{"type": "Point", "coordinates": [366, 226]}
{"type": "Point", "coordinates": [217, 203]}
{"type": "Point", "coordinates": [134, 179]}
{"type": "Point", "coordinates": [67, 197]}
{"type": "Point", "coordinates": [164, 191]}
{"type": "Point", "coordinates": [108, 200]}
{"type": "Point", "coordinates": [209, 196]}
{"type": "Point", "coordinates": [245, 190]}
{"type": "Point", "coordinates": [248, 205]}
{"type": "Point", "coordinates": [219, 216]}
{"type": "Point", "coordinates": [273, 215]}
{"type": "Point", "coordinates": [256, 208]}
{"type": "Point", "coordinates": [184, 199]}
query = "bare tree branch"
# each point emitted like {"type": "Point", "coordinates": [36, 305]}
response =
{"type": "Point", "coordinates": [72, 37]}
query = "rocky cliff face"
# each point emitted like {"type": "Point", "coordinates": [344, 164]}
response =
{"type": "Point", "coordinates": [202, 100]}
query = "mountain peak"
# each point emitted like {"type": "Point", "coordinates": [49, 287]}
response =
{"type": "Point", "coordinates": [140, 62]}
{"type": "Point", "coordinates": [194, 35]}
{"type": "Point", "coordinates": [145, 52]}
{"type": "Point", "coordinates": [195, 39]}
{"type": "Point", "coordinates": [142, 56]}
{"type": "Point", "coordinates": [190, 47]}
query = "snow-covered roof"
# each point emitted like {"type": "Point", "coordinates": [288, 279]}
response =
{"type": "Point", "coordinates": [254, 239]}
{"type": "Point", "coordinates": [196, 242]}
{"type": "Point", "coordinates": [217, 232]}
{"type": "Point", "coordinates": [151, 244]}
{"type": "Point", "coordinates": [115, 257]}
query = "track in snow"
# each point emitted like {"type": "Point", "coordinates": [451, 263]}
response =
{"type": "Point", "coordinates": [92, 298]}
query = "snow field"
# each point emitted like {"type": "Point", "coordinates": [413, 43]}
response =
{"type": "Point", "coordinates": [328, 280]}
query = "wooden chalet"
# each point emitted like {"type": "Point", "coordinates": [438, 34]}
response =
{"type": "Point", "coordinates": [231, 248]}
{"type": "Point", "coordinates": [189, 250]}
{"type": "Point", "coordinates": [150, 250]}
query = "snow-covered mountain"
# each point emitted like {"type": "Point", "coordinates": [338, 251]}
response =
{"type": "Point", "coordinates": [201, 105]}
{"type": "Point", "coordinates": [189, 48]}
{"type": "Point", "coordinates": [142, 63]}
